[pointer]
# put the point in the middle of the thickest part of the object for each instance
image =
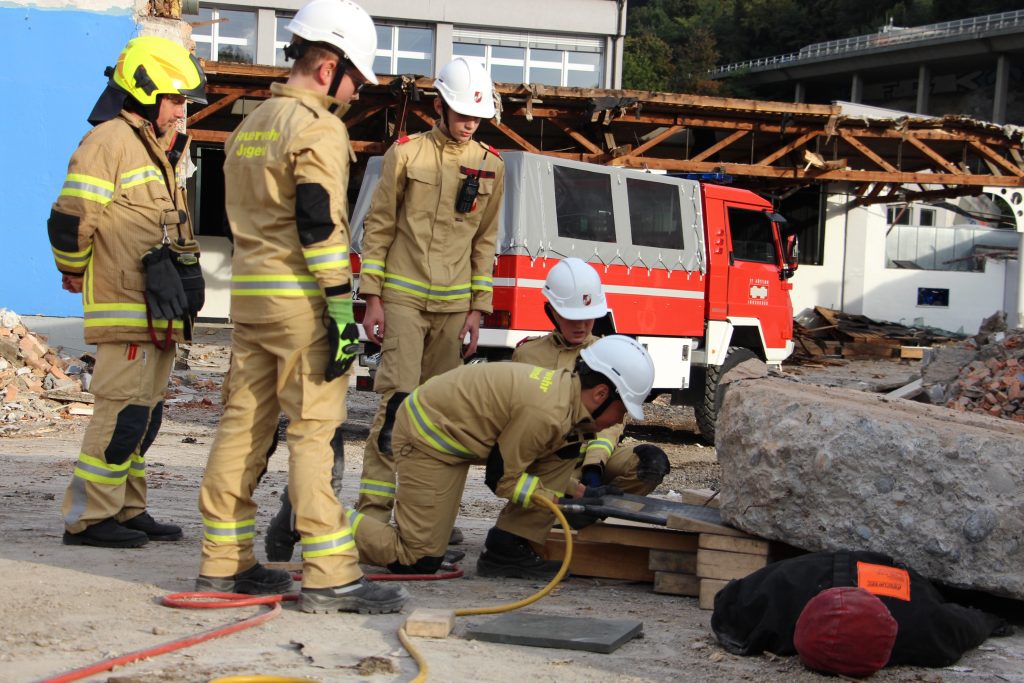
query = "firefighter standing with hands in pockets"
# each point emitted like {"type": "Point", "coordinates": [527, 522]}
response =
{"type": "Point", "coordinates": [427, 258]}
{"type": "Point", "coordinates": [295, 336]}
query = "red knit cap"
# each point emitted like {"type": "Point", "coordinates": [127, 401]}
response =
{"type": "Point", "coordinates": [845, 631]}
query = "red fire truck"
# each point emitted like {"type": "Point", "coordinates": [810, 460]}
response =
{"type": "Point", "coordinates": [697, 272]}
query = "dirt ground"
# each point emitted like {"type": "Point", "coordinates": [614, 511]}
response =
{"type": "Point", "coordinates": [68, 607]}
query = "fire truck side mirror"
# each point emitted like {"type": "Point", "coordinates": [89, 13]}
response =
{"type": "Point", "coordinates": [792, 256]}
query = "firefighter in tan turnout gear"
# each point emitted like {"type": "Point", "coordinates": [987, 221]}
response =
{"type": "Point", "coordinates": [295, 338]}
{"type": "Point", "coordinates": [510, 417]}
{"type": "Point", "coordinates": [121, 236]}
{"type": "Point", "coordinates": [575, 300]}
{"type": "Point", "coordinates": [427, 259]}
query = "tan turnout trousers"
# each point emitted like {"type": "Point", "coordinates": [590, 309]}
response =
{"type": "Point", "coordinates": [417, 346]}
{"type": "Point", "coordinates": [129, 383]}
{"type": "Point", "coordinates": [278, 367]}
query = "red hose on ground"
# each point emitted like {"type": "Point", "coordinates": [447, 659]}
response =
{"type": "Point", "coordinates": [186, 600]}
{"type": "Point", "coordinates": [191, 600]}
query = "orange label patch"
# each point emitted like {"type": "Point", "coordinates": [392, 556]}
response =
{"type": "Point", "coordinates": [878, 579]}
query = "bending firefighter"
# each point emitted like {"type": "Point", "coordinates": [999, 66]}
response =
{"type": "Point", "coordinates": [294, 338]}
{"type": "Point", "coordinates": [121, 236]}
{"type": "Point", "coordinates": [575, 300]}
{"type": "Point", "coordinates": [427, 259]}
{"type": "Point", "coordinates": [510, 417]}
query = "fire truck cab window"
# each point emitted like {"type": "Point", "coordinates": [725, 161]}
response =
{"type": "Point", "coordinates": [655, 219]}
{"type": "Point", "coordinates": [752, 236]}
{"type": "Point", "coordinates": [583, 205]}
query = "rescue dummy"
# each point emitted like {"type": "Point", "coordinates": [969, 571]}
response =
{"type": "Point", "coordinates": [121, 236]}
{"type": "Point", "coordinates": [575, 300]}
{"type": "Point", "coordinates": [509, 417]}
{"type": "Point", "coordinates": [848, 613]}
{"type": "Point", "coordinates": [295, 337]}
{"type": "Point", "coordinates": [427, 259]}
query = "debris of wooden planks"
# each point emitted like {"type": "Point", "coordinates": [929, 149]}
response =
{"type": "Point", "coordinates": [826, 332]}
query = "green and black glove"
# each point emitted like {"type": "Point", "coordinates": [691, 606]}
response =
{"type": "Point", "coordinates": [342, 337]}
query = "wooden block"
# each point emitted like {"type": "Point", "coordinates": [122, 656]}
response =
{"type": "Point", "coordinates": [701, 527]}
{"type": "Point", "coordinates": [676, 584]}
{"type": "Point", "coordinates": [672, 561]}
{"type": "Point", "coordinates": [913, 352]}
{"type": "Point", "coordinates": [430, 623]}
{"type": "Point", "coordinates": [657, 538]}
{"type": "Point", "coordinates": [599, 560]}
{"type": "Point", "coordinates": [703, 497]}
{"type": "Point", "coordinates": [708, 590]}
{"type": "Point", "coordinates": [733, 544]}
{"type": "Point", "coordinates": [720, 564]}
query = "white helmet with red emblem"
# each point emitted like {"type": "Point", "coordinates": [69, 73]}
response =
{"type": "Point", "coordinates": [466, 87]}
{"type": "Point", "coordinates": [573, 288]}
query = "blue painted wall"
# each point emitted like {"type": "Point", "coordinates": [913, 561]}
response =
{"type": "Point", "coordinates": [55, 73]}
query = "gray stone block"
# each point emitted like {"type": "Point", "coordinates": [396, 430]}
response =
{"type": "Point", "coordinates": [827, 468]}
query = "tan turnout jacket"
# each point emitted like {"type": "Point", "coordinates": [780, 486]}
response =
{"type": "Point", "coordinates": [119, 191]}
{"type": "Point", "coordinates": [525, 410]}
{"type": "Point", "coordinates": [552, 351]}
{"type": "Point", "coordinates": [290, 140]}
{"type": "Point", "coordinates": [417, 250]}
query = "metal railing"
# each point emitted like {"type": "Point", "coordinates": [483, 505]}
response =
{"type": "Point", "coordinates": [884, 38]}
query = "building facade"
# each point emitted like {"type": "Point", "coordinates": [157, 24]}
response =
{"type": "Point", "coordinates": [576, 43]}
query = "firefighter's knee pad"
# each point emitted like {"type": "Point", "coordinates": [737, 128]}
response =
{"type": "Point", "coordinates": [156, 418]}
{"type": "Point", "coordinates": [384, 437]}
{"type": "Point", "coordinates": [653, 464]}
{"type": "Point", "coordinates": [424, 565]}
{"type": "Point", "coordinates": [129, 430]}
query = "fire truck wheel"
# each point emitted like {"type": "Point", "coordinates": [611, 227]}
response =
{"type": "Point", "coordinates": [706, 409]}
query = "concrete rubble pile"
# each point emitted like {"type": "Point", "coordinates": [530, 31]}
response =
{"type": "Point", "coordinates": [35, 380]}
{"type": "Point", "coordinates": [984, 374]}
{"type": "Point", "coordinates": [830, 468]}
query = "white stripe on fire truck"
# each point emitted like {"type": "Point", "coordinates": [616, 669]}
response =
{"type": "Point", "coordinates": [609, 289]}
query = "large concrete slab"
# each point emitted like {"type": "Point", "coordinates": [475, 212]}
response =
{"type": "Point", "coordinates": [567, 633]}
{"type": "Point", "coordinates": [827, 468]}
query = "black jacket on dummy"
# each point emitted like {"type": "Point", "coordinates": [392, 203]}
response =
{"type": "Point", "coordinates": [759, 613]}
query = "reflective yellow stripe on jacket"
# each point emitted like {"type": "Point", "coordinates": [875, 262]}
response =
{"type": "Point", "coordinates": [483, 283]}
{"type": "Point", "coordinates": [122, 315]}
{"type": "Point", "coordinates": [138, 176]}
{"type": "Point", "coordinates": [88, 187]}
{"type": "Point", "coordinates": [525, 487]}
{"type": "Point", "coordinates": [426, 291]}
{"type": "Point", "coordinates": [326, 257]}
{"type": "Point", "coordinates": [229, 532]}
{"type": "Point", "coordinates": [274, 285]}
{"type": "Point", "coordinates": [73, 259]}
{"type": "Point", "coordinates": [434, 436]}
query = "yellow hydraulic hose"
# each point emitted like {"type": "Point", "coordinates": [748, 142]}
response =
{"type": "Point", "coordinates": [508, 607]}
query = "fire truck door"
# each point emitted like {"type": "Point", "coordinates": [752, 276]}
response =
{"type": "Point", "coordinates": [755, 289]}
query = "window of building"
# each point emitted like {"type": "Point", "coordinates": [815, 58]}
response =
{"type": "Point", "coordinates": [525, 58]}
{"type": "Point", "coordinates": [752, 235]}
{"type": "Point", "coordinates": [583, 205]}
{"type": "Point", "coordinates": [932, 296]}
{"type": "Point", "coordinates": [805, 212]}
{"type": "Point", "coordinates": [655, 219]}
{"type": "Point", "coordinates": [226, 35]}
{"type": "Point", "coordinates": [897, 215]}
{"type": "Point", "coordinates": [926, 217]}
{"type": "Point", "coordinates": [282, 39]}
{"type": "Point", "coordinates": [404, 50]}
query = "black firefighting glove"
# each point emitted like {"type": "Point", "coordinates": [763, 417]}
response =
{"type": "Point", "coordinates": [165, 294]}
{"type": "Point", "coordinates": [342, 337]}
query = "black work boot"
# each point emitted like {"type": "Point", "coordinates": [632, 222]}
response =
{"type": "Point", "coordinates": [362, 596]}
{"type": "Point", "coordinates": [509, 556]}
{"type": "Point", "coordinates": [154, 529]}
{"type": "Point", "coordinates": [281, 538]}
{"type": "Point", "coordinates": [256, 580]}
{"type": "Point", "coordinates": [107, 534]}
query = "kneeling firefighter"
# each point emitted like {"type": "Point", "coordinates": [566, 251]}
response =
{"type": "Point", "coordinates": [121, 236]}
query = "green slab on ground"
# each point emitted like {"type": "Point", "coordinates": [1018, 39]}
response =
{"type": "Point", "coordinates": [567, 633]}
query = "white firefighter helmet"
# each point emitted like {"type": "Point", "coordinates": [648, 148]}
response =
{"type": "Point", "coordinates": [467, 88]}
{"type": "Point", "coordinates": [627, 364]}
{"type": "Point", "coordinates": [573, 288]}
{"type": "Point", "coordinates": [342, 24]}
